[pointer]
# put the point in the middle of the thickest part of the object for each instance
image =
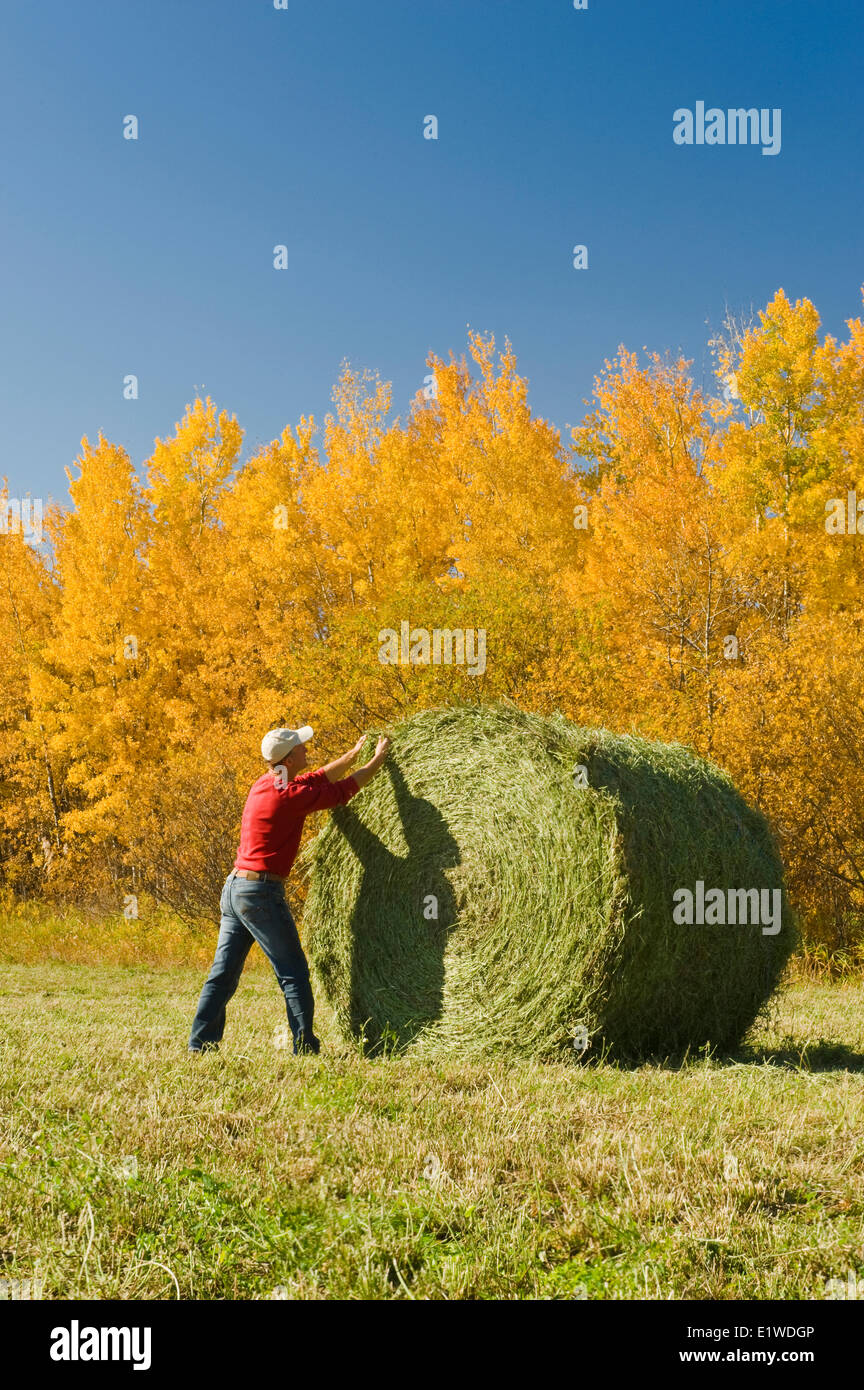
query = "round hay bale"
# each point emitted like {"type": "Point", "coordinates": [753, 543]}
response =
{"type": "Point", "coordinates": [506, 885]}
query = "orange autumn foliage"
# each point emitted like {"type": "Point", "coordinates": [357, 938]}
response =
{"type": "Point", "coordinates": [667, 570]}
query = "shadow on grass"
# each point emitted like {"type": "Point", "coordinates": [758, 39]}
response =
{"type": "Point", "coordinates": [790, 1054]}
{"type": "Point", "coordinates": [823, 1055]}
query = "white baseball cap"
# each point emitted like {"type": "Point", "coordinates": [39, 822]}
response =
{"type": "Point", "coordinates": [278, 743]}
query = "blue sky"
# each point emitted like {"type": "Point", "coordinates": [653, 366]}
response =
{"type": "Point", "coordinates": [304, 126]}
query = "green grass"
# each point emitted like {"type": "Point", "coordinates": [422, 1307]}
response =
{"type": "Point", "coordinates": [339, 1177]}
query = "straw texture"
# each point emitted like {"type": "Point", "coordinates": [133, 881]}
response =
{"type": "Point", "coordinates": [475, 900]}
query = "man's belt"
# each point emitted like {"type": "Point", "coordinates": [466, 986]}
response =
{"type": "Point", "coordinates": [258, 877]}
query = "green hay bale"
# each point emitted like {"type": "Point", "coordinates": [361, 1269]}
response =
{"type": "Point", "coordinates": [554, 901]}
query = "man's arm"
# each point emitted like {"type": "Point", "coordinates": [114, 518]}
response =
{"type": "Point", "coordinates": [367, 772]}
{"type": "Point", "coordinates": [336, 770]}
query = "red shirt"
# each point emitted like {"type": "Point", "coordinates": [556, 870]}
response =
{"type": "Point", "coordinates": [273, 818]}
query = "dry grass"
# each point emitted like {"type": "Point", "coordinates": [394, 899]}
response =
{"type": "Point", "coordinates": [35, 933]}
{"type": "Point", "coordinates": [339, 1177]}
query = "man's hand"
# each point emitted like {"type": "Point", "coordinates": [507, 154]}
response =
{"type": "Point", "coordinates": [375, 763]}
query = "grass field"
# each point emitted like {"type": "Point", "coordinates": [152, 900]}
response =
{"type": "Point", "coordinates": [130, 1171]}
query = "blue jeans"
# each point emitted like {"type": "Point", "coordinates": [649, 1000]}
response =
{"type": "Point", "coordinates": [255, 911]}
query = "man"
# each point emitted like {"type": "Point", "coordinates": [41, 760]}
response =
{"type": "Point", "coordinates": [253, 905]}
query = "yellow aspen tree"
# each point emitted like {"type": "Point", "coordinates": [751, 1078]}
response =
{"type": "Point", "coordinates": [188, 579]}
{"type": "Point", "coordinates": [31, 802]}
{"type": "Point", "coordinates": [96, 676]}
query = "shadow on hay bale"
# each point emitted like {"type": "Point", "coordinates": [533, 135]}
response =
{"type": "Point", "coordinates": [508, 882]}
{"type": "Point", "coordinates": [417, 937]}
